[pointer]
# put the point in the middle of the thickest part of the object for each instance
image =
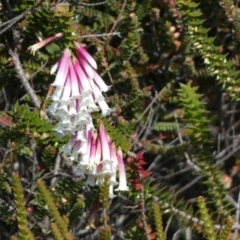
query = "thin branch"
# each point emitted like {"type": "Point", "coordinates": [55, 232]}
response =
{"type": "Point", "coordinates": [39, 70]}
{"type": "Point", "coordinates": [195, 220]}
{"type": "Point", "coordinates": [57, 166]}
{"type": "Point", "coordinates": [92, 4]}
{"type": "Point", "coordinates": [174, 174]}
{"type": "Point", "coordinates": [5, 97]}
{"type": "Point", "coordinates": [150, 116]}
{"type": "Point", "coordinates": [35, 161]}
{"type": "Point", "coordinates": [23, 79]}
{"type": "Point", "coordinates": [177, 234]}
{"type": "Point", "coordinates": [189, 161]}
{"type": "Point", "coordinates": [106, 34]}
{"type": "Point", "coordinates": [119, 16]}
{"type": "Point", "coordinates": [14, 20]}
{"type": "Point", "coordinates": [236, 232]}
{"type": "Point", "coordinates": [187, 186]}
{"type": "Point", "coordinates": [167, 227]}
{"type": "Point", "coordinates": [231, 200]}
{"type": "Point", "coordinates": [226, 157]}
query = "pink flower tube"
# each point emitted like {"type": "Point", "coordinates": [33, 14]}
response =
{"type": "Point", "coordinates": [41, 44]}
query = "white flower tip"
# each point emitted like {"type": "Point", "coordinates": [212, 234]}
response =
{"type": "Point", "coordinates": [111, 195]}
{"type": "Point", "coordinates": [33, 49]}
{"type": "Point", "coordinates": [78, 171]}
{"type": "Point", "coordinates": [58, 35]}
{"type": "Point", "coordinates": [112, 181]}
{"type": "Point", "coordinates": [91, 180]}
{"type": "Point", "coordinates": [122, 188]}
{"type": "Point", "coordinates": [106, 112]}
{"type": "Point", "coordinates": [106, 88]}
{"type": "Point", "coordinates": [67, 51]}
{"type": "Point", "coordinates": [54, 68]}
{"type": "Point", "coordinates": [42, 42]}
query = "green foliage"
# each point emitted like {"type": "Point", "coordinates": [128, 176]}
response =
{"type": "Point", "coordinates": [226, 231]}
{"type": "Point", "coordinates": [136, 95]}
{"type": "Point", "coordinates": [28, 119]}
{"type": "Point", "coordinates": [232, 13]}
{"type": "Point", "coordinates": [104, 193]}
{"type": "Point", "coordinates": [158, 221]}
{"type": "Point", "coordinates": [61, 21]}
{"type": "Point", "coordinates": [48, 156]}
{"type": "Point", "coordinates": [4, 185]}
{"type": "Point", "coordinates": [126, 127]}
{"type": "Point", "coordinates": [71, 192]}
{"type": "Point", "coordinates": [143, 9]}
{"type": "Point", "coordinates": [117, 136]}
{"type": "Point", "coordinates": [60, 221]}
{"type": "Point", "coordinates": [105, 232]}
{"type": "Point", "coordinates": [128, 46]}
{"type": "Point", "coordinates": [39, 203]}
{"type": "Point", "coordinates": [5, 67]}
{"type": "Point", "coordinates": [217, 64]}
{"type": "Point", "coordinates": [194, 114]}
{"type": "Point", "coordinates": [97, 18]}
{"type": "Point", "coordinates": [76, 211]}
{"type": "Point", "coordinates": [165, 127]}
{"type": "Point", "coordinates": [166, 93]}
{"type": "Point", "coordinates": [166, 150]}
{"type": "Point", "coordinates": [14, 238]}
{"type": "Point", "coordinates": [56, 232]}
{"type": "Point", "coordinates": [209, 230]}
{"type": "Point", "coordinates": [196, 123]}
{"type": "Point", "coordinates": [24, 231]}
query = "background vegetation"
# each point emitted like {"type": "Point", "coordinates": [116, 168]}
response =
{"type": "Point", "coordinates": [174, 71]}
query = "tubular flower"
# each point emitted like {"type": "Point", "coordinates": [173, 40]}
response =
{"type": "Point", "coordinates": [41, 44]}
{"type": "Point", "coordinates": [122, 173]}
{"type": "Point", "coordinates": [78, 91]}
{"type": "Point", "coordinates": [97, 157]}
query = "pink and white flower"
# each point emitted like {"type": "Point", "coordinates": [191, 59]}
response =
{"type": "Point", "coordinates": [122, 173]}
{"type": "Point", "coordinates": [41, 44]}
{"type": "Point", "coordinates": [97, 159]}
{"type": "Point", "coordinates": [78, 92]}
{"type": "Point", "coordinates": [84, 54]}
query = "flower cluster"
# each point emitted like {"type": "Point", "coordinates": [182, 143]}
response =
{"type": "Point", "coordinates": [78, 88]}
{"type": "Point", "coordinates": [97, 157]}
{"type": "Point", "coordinates": [78, 93]}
